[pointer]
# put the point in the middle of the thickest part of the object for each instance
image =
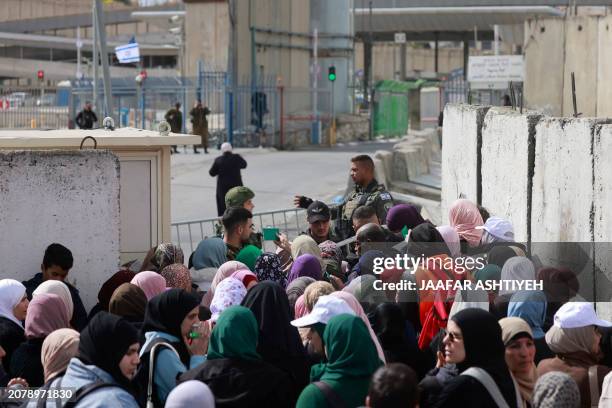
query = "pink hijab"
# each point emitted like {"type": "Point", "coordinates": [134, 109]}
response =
{"type": "Point", "coordinates": [245, 276]}
{"type": "Point", "coordinates": [225, 271]}
{"type": "Point", "coordinates": [464, 217]}
{"type": "Point", "coordinates": [46, 313]}
{"type": "Point", "coordinates": [451, 238]}
{"type": "Point", "coordinates": [300, 307]}
{"type": "Point", "coordinates": [356, 306]}
{"type": "Point", "coordinates": [151, 283]}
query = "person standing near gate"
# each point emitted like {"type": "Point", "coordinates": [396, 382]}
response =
{"type": "Point", "coordinates": [227, 170]}
{"type": "Point", "coordinates": [174, 117]}
{"type": "Point", "coordinates": [200, 124]}
{"type": "Point", "coordinates": [86, 118]}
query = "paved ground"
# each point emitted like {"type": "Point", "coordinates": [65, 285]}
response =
{"type": "Point", "coordinates": [275, 176]}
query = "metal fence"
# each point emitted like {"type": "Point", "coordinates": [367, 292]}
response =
{"type": "Point", "coordinates": [34, 108]}
{"type": "Point", "coordinates": [187, 234]}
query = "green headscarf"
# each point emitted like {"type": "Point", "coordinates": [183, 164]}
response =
{"type": "Point", "coordinates": [235, 335]}
{"type": "Point", "coordinates": [489, 272]}
{"type": "Point", "coordinates": [248, 256]}
{"type": "Point", "coordinates": [349, 348]}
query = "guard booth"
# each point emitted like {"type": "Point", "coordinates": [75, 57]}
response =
{"type": "Point", "coordinates": [144, 160]}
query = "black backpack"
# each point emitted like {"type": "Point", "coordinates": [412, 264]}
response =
{"type": "Point", "coordinates": [143, 380]}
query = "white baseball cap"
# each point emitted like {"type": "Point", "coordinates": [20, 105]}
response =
{"type": "Point", "coordinates": [325, 308]}
{"type": "Point", "coordinates": [578, 314]}
{"type": "Point", "coordinates": [499, 228]}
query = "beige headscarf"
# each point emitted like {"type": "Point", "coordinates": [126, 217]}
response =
{"type": "Point", "coordinates": [574, 340]}
{"type": "Point", "coordinates": [60, 289]}
{"type": "Point", "coordinates": [304, 244]}
{"type": "Point", "coordinates": [511, 327]}
{"type": "Point", "coordinates": [57, 350]}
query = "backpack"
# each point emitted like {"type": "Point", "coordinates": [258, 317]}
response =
{"type": "Point", "coordinates": [146, 395]}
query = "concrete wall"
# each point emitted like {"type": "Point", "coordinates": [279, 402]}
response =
{"type": "Point", "coordinates": [67, 197]}
{"type": "Point", "coordinates": [461, 138]}
{"type": "Point", "coordinates": [544, 60]}
{"type": "Point", "coordinates": [507, 145]}
{"type": "Point", "coordinates": [207, 35]}
{"type": "Point", "coordinates": [557, 47]}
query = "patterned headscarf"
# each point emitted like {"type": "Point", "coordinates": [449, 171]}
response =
{"type": "Point", "coordinates": [177, 276]}
{"type": "Point", "coordinates": [556, 390]}
{"type": "Point", "coordinates": [268, 267]}
{"type": "Point", "coordinates": [331, 253]}
{"type": "Point", "coordinates": [167, 254]}
{"type": "Point", "coordinates": [225, 271]}
{"type": "Point", "coordinates": [228, 293]}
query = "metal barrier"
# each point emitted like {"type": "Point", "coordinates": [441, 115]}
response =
{"type": "Point", "coordinates": [187, 234]}
{"type": "Point", "coordinates": [32, 108]}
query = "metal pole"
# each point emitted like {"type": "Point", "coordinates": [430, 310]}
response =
{"type": "Point", "coordinates": [108, 98]}
{"type": "Point", "coordinates": [371, 104]}
{"type": "Point", "coordinates": [436, 51]}
{"type": "Point", "coordinates": [496, 39]}
{"type": "Point", "coordinates": [95, 57]}
{"type": "Point", "coordinates": [79, 45]}
{"type": "Point", "coordinates": [402, 61]}
{"type": "Point", "coordinates": [282, 119]}
{"type": "Point", "coordinates": [316, 126]}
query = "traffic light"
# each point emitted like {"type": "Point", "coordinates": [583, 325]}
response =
{"type": "Point", "coordinates": [41, 75]}
{"type": "Point", "coordinates": [331, 73]}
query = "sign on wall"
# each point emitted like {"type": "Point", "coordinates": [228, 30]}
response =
{"type": "Point", "coordinates": [496, 68]}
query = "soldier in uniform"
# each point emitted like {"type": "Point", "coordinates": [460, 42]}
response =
{"type": "Point", "coordinates": [238, 225]}
{"type": "Point", "coordinates": [174, 117]}
{"type": "Point", "coordinates": [366, 192]}
{"type": "Point", "coordinates": [242, 197]}
{"type": "Point", "coordinates": [200, 124]}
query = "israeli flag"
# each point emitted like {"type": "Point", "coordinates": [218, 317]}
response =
{"type": "Point", "coordinates": [128, 53]}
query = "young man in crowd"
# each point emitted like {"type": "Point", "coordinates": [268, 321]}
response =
{"type": "Point", "coordinates": [56, 264]}
{"type": "Point", "coordinates": [238, 225]}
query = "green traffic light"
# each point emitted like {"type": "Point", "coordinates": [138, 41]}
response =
{"type": "Point", "coordinates": [332, 77]}
{"type": "Point", "coordinates": [331, 73]}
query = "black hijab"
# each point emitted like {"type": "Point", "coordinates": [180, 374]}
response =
{"type": "Point", "coordinates": [279, 342]}
{"type": "Point", "coordinates": [484, 348]}
{"type": "Point", "coordinates": [104, 342]}
{"type": "Point", "coordinates": [166, 312]}
{"type": "Point", "coordinates": [426, 240]}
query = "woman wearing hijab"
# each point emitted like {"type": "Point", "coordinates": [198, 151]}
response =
{"type": "Point", "coordinates": [279, 342]}
{"type": "Point", "coordinates": [436, 265]}
{"type": "Point", "coordinates": [574, 338]}
{"type": "Point", "coordinates": [225, 271]}
{"type": "Point", "coordinates": [517, 269]}
{"type": "Point", "coordinates": [305, 244]}
{"type": "Point", "coordinates": [129, 302]}
{"type": "Point", "coordinates": [46, 313]}
{"type": "Point", "coordinates": [356, 306]}
{"type": "Point", "coordinates": [210, 254]}
{"type": "Point", "coordinates": [530, 305]}
{"type": "Point", "coordinates": [268, 268]}
{"type": "Point", "coordinates": [151, 283]}
{"type": "Point", "coordinates": [451, 238]}
{"type": "Point", "coordinates": [107, 353]}
{"type": "Point", "coordinates": [169, 317]}
{"type": "Point", "coordinates": [403, 215]}
{"type": "Point", "coordinates": [167, 254]}
{"type": "Point", "coordinates": [229, 292]}
{"type": "Point", "coordinates": [390, 327]}
{"type": "Point", "coordinates": [305, 265]}
{"type": "Point", "coordinates": [248, 278]}
{"type": "Point", "coordinates": [474, 340]}
{"type": "Point", "coordinates": [498, 255]}
{"type": "Point", "coordinates": [107, 289]}
{"type": "Point", "coordinates": [234, 370]}
{"type": "Point", "coordinates": [13, 309]}
{"type": "Point", "coordinates": [557, 390]}
{"type": "Point", "coordinates": [248, 256]}
{"type": "Point", "coordinates": [560, 285]}
{"type": "Point", "coordinates": [296, 288]}
{"type": "Point", "coordinates": [191, 394]}
{"type": "Point", "coordinates": [520, 353]}
{"type": "Point", "coordinates": [351, 361]}
{"type": "Point", "coordinates": [362, 287]}
{"type": "Point", "coordinates": [314, 291]}
{"type": "Point", "coordinates": [57, 350]}
{"type": "Point", "coordinates": [332, 257]}
{"type": "Point", "coordinates": [60, 289]}
{"type": "Point", "coordinates": [464, 217]}
{"type": "Point", "coordinates": [177, 276]}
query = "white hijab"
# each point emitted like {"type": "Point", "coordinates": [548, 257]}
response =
{"type": "Point", "coordinates": [191, 394]}
{"type": "Point", "coordinates": [11, 293]}
{"type": "Point", "coordinates": [517, 268]}
{"type": "Point", "coordinates": [58, 288]}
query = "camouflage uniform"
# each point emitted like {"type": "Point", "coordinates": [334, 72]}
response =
{"type": "Point", "coordinates": [374, 195]}
{"type": "Point", "coordinates": [232, 252]}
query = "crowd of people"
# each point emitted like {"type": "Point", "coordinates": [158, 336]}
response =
{"type": "Point", "coordinates": [304, 326]}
